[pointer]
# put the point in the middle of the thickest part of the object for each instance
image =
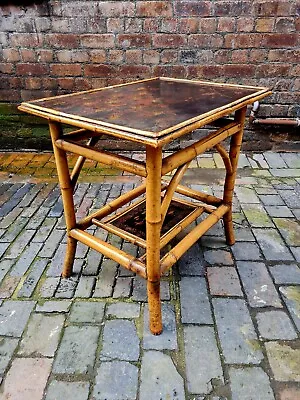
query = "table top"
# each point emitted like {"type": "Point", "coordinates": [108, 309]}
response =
{"type": "Point", "coordinates": [150, 108]}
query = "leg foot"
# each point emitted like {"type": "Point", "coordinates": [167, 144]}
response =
{"type": "Point", "coordinates": [228, 227]}
{"type": "Point", "coordinates": [69, 258]}
{"type": "Point", "coordinates": [155, 318]}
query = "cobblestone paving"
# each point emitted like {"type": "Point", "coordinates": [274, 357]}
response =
{"type": "Point", "coordinates": [231, 315]}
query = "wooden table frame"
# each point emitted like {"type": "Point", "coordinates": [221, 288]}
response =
{"type": "Point", "coordinates": [157, 191]}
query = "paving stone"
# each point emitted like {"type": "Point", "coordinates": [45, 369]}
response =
{"type": "Point", "coordinates": [271, 200]}
{"type": "Point", "coordinates": [52, 243]}
{"type": "Point", "coordinates": [291, 159]}
{"type": "Point", "coordinates": [85, 286]}
{"type": "Point", "coordinates": [49, 287]}
{"type": "Point", "coordinates": [257, 216]}
{"type": "Point", "coordinates": [42, 335]}
{"type": "Point", "coordinates": [66, 288]}
{"type": "Point", "coordinates": [168, 338]}
{"type": "Point", "coordinates": [195, 307]}
{"type": "Point", "coordinates": [58, 306]}
{"type": "Point", "coordinates": [44, 230]}
{"type": "Point", "coordinates": [116, 380]}
{"type": "Point", "coordinates": [258, 284]}
{"type": "Point", "coordinates": [246, 251]}
{"type": "Point", "coordinates": [279, 211]}
{"type": "Point", "coordinates": [123, 310]}
{"type": "Point", "coordinates": [37, 216]}
{"type": "Point", "coordinates": [223, 281]}
{"type": "Point", "coordinates": [192, 262]}
{"type": "Point", "coordinates": [246, 195]}
{"type": "Point", "coordinates": [211, 242]}
{"type": "Point", "coordinates": [291, 297]}
{"type": "Point", "coordinates": [285, 273]}
{"type": "Point", "coordinates": [290, 230]}
{"type": "Point", "coordinates": [274, 160]}
{"type": "Point", "coordinates": [73, 357]}
{"type": "Point", "coordinates": [160, 378]}
{"type": "Point", "coordinates": [67, 390]}
{"type": "Point", "coordinates": [14, 200]}
{"type": "Point", "coordinates": [284, 361]}
{"type": "Point", "coordinates": [14, 230]}
{"type": "Point", "coordinates": [93, 261]}
{"type": "Point", "coordinates": [8, 286]}
{"type": "Point", "coordinates": [122, 288]}
{"type": "Point", "coordinates": [246, 381]}
{"type": "Point", "coordinates": [32, 278]}
{"type": "Point", "coordinates": [272, 245]}
{"type": "Point", "coordinates": [289, 393]}
{"type": "Point", "coordinates": [105, 283]}
{"type": "Point", "coordinates": [56, 262]}
{"type": "Point", "coordinates": [266, 189]}
{"type": "Point", "coordinates": [202, 358]}
{"type": "Point", "coordinates": [218, 257]}
{"type": "Point", "coordinates": [7, 348]}
{"type": "Point", "coordinates": [243, 161]}
{"type": "Point", "coordinates": [238, 339]}
{"type": "Point", "coordinates": [14, 316]}
{"type": "Point", "coordinates": [87, 312]}
{"type": "Point", "coordinates": [295, 172]}
{"type": "Point", "coordinates": [275, 325]}
{"type": "Point", "coordinates": [215, 230]}
{"type": "Point", "coordinates": [139, 291]}
{"type": "Point", "coordinates": [120, 341]}
{"type": "Point", "coordinates": [290, 197]}
{"type": "Point", "coordinates": [10, 218]}
{"type": "Point", "coordinates": [26, 259]}
{"type": "Point", "coordinates": [3, 248]}
{"type": "Point", "coordinates": [19, 244]}
{"type": "Point", "coordinates": [296, 252]}
{"type": "Point", "coordinates": [26, 379]}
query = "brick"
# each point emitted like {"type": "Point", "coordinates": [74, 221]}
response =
{"type": "Point", "coordinates": [272, 245]}
{"type": "Point", "coordinates": [161, 40]}
{"type": "Point", "coordinates": [134, 40]}
{"type": "Point", "coordinates": [289, 229]}
{"type": "Point", "coordinates": [5, 265]}
{"type": "Point", "coordinates": [42, 335]}
{"type": "Point", "coordinates": [96, 41]}
{"type": "Point", "coordinates": [231, 8]}
{"type": "Point", "coordinates": [167, 340]}
{"type": "Point", "coordinates": [193, 8]}
{"type": "Point", "coordinates": [192, 262]}
{"type": "Point", "coordinates": [275, 325]}
{"type": "Point", "coordinates": [151, 57]}
{"type": "Point", "coordinates": [257, 216]}
{"type": "Point", "coordinates": [100, 70]}
{"type": "Point", "coordinates": [291, 295]}
{"type": "Point", "coordinates": [32, 278]}
{"type": "Point", "coordinates": [65, 69]}
{"type": "Point", "coordinates": [122, 288]}
{"type": "Point", "coordinates": [133, 25]}
{"type": "Point", "coordinates": [169, 56]}
{"type": "Point", "coordinates": [223, 281]}
{"type": "Point", "coordinates": [245, 24]}
{"type": "Point", "coordinates": [236, 332]}
{"type": "Point", "coordinates": [61, 306]}
{"type": "Point", "coordinates": [156, 383]}
{"type": "Point", "coordinates": [85, 286]}
{"type": "Point", "coordinates": [280, 40]}
{"type": "Point", "coordinates": [153, 9]}
{"type": "Point", "coordinates": [245, 381]}
{"type": "Point", "coordinates": [28, 55]}
{"type": "Point", "coordinates": [116, 380]}
{"type": "Point", "coordinates": [120, 341]}
{"type": "Point", "coordinates": [11, 55]}
{"type": "Point", "coordinates": [195, 307]}
{"type": "Point", "coordinates": [289, 393]}
{"type": "Point", "coordinates": [266, 8]}
{"type": "Point", "coordinates": [14, 316]}
{"type": "Point", "coordinates": [60, 40]}
{"type": "Point", "coordinates": [62, 389]}
{"type": "Point", "coordinates": [6, 68]}
{"type": "Point", "coordinates": [8, 286]}
{"type": "Point", "coordinates": [25, 40]}
{"type": "Point", "coordinates": [106, 279]}
{"type": "Point", "coordinates": [27, 257]}
{"type": "Point", "coordinates": [27, 378]}
{"type": "Point", "coordinates": [49, 287]}
{"type": "Point", "coordinates": [133, 56]}
{"type": "Point", "coordinates": [72, 357]}
{"type": "Point", "coordinates": [113, 9]}
{"type": "Point", "coordinates": [243, 40]}
{"type": "Point", "coordinates": [265, 24]}
{"type": "Point", "coordinates": [87, 312]}
{"type": "Point", "coordinates": [226, 24]}
{"type": "Point", "coordinates": [284, 361]}
{"type": "Point", "coordinates": [7, 348]}
{"type": "Point", "coordinates": [134, 70]}
{"type": "Point", "coordinates": [32, 69]}
{"type": "Point", "coordinates": [66, 288]}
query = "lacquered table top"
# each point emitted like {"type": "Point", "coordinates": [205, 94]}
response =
{"type": "Point", "coordinates": [151, 107]}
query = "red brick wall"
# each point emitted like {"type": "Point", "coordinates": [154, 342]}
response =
{"type": "Point", "coordinates": [60, 46]}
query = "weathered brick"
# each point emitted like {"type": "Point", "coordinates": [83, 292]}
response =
{"type": "Point", "coordinates": [95, 41]}
{"type": "Point", "coordinates": [154, 9]}
{"type": "Point", "coordinates": [193, 8]}
{"type": "Point", "coordinates": [63, 41]}
{"type": "Point", "coordinates": [100, 70]}
{"type": "Point", "coordinates": [161, 40]}
{"type": "Point", "coordinates": [134, 40]}
{"type": "Point", "coordinates": [65, 69]}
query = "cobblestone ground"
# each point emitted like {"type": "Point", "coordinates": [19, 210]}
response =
{"type": "Point", "coordinates": [231, 315]}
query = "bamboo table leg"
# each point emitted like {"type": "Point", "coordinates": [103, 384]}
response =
{"type": "Point", "coordinates": [235, 145]}
{"type": "Point", "coordinates": [153, 227]}
{"type": "Point", "coordinates": [67, 196]}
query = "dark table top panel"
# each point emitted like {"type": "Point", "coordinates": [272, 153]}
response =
{"type": "Point", "coordinates": [152, 107]}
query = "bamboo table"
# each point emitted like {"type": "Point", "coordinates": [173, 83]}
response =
{"type": "Point", "coordinates": [153, 113]}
